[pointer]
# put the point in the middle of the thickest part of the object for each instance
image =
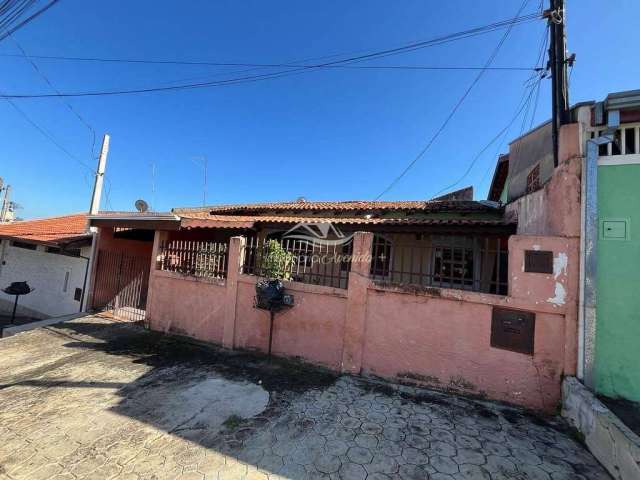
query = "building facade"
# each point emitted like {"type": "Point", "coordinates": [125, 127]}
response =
{"type": "Point", "coordinates": [52, 255]}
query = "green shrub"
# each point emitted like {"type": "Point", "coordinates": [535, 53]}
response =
{"type": "Point", "coordinates": [277, 262]}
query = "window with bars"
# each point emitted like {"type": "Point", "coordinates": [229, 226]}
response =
{"type": "Point", "coordinates": [533, 179]}
{"type": "Point", "coordinates": [299, 261]}
{"type": "Point", "coordinates": [194, 258]}
{"type": "Point", "coordinates": [475, 263]}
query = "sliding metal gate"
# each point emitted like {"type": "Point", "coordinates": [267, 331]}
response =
{"type": "Point", "coordinates": [122, 282]}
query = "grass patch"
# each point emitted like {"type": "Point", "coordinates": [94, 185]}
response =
{"type": "Point", "coordinates": [232, 422]}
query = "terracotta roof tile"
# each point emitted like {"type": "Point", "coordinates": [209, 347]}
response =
{"type": "Point", "coordinates": [426, 206]}
{"type": "Point", "coordinates": [201, 219]}
{"type": "Point", "coordinates": [48, 230]}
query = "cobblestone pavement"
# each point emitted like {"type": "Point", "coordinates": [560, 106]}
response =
{"type": "Point", "coordinates": [98, 400]}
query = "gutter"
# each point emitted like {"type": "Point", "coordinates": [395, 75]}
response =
{"type": "Point", "coordinates": [133, 216]}
{"type": "Point", "coordinates": [588, 292]}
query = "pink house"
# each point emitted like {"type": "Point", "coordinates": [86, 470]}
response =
{"type": "Point", "coordinates": [453, 294]}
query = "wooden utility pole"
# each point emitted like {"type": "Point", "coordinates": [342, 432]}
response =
{"type": "Point", "coordinates": [558, 65]}
{"type": "Point", "coordinates": [94, 208]}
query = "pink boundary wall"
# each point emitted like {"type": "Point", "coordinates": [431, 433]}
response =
{"type": "Point", "coordinates": [433, 337]}
{"type": "Point", "coordinates": [436, 337]}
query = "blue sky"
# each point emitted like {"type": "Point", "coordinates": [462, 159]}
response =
{"type": "Point", "coordinates": [330, 134]}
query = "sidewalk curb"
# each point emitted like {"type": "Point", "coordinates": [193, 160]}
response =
{"type": "Point", "coordinates": [8, 332]}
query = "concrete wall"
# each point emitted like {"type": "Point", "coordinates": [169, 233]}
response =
{"type": "Point", "coordinates": [313, 329]}
{"type": "Point", "coordinates": [434, 337]}
{"type": "Point", "coordinates": [445, 343]}
{"type": "Point", "coordinates": [187, 305]}
{"type": "Point", "coordinates": [555, 209]}
{"type": "Point", "coordinates": [46, 273]}
{"type": "Point", "coordinates": [534, 148]}
{"type": "Point", "coordinates": [615, 446]}
{"type": "Point", "coordinates": [618, 301]}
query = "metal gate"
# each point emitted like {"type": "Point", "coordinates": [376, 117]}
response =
{"type": "Point", "coordinates": [122, 282]}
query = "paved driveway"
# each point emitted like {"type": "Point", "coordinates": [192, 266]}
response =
{"type": "Point", "coordinates": [94, 399]}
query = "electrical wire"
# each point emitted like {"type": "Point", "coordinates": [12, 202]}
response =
{"type": "Point", "coordinates": [6, 22]}
{"type": "Point", "coordinates": [455, 108]}
{"type": "Point", "coordinates": [263, 65]}
{"type": "Point", "coordinates": [46, 134]}
{"type": "Point", "coordinates": [533, 89]}
{"type": "Point", "coordinates": [303, 68]}
{"type": "Point", "coordinates": [82, 120]}
{"type": "Point", "coordinates": [523, 106]}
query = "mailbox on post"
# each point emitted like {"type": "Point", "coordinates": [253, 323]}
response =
{"type": "Point", "coordinates": [270, 296]}
{"type": "Point", "coordinates": [17, 289]}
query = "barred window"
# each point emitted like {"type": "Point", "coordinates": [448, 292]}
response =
{"type": "Point", "coordinates": [533, 179]}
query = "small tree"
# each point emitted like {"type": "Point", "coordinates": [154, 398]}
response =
{"type": "Point", "coordinates": [277, 262]}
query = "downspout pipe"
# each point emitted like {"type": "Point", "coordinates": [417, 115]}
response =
{"type": "Point", "coordinates": [587, 325]}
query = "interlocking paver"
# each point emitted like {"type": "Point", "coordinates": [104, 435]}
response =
{"type": "Point", "coordinates": [106, 401]}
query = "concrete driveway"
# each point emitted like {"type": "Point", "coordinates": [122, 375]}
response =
{"type": "Point", "coordinates": [101, 400]}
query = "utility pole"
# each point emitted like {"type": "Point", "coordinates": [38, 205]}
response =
{"type": "Point", "coordinates": [6, 203]}
{"type": "Point", "coordinates": [94, 208]}
{"type": "Point", "coordinates": [558, 65]}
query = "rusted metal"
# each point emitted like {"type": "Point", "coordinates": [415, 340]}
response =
{"type": "Point", "coordinates": [538, 261]}
{"type": "Point", "coordinates": [513, 330]}
{"type": "Point", "coordinates": [302, 261]}
{"type": "Point", "coordinates": [194, 258]}
{"type": "Point", "coordinates": [121, 286]}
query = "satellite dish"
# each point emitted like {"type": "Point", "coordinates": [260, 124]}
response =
{"type": "Point", "coordinates": [142, 206]}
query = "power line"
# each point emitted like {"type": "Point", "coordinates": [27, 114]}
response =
{"type": "Point", "coordinates": [82, 120]}
{"type": "Point", "coordinates": [543, 50]}
{"type": "Point", "coordinates": [522, 106]}
{"type": "Point", "coordinates": [456, 107]}
{"type": "Point", "coordinates": [46, 134]}
{"type": "Point", "coordinates": [267, 65]}
{"type": "Point", "coordinates": [525, 101]}
{"type": "Point", "coordinates": [16, 15]}
{"type": "Point", "coordinates": [303, 68]}
{"type": "Point", "coordinates": [260, 65]}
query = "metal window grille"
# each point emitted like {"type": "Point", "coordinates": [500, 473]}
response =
{"type": "Point", "coordinates": [533, 179]}
{"type": "Point", "coordinates": [197, 259]}
{"type": "Point", "coordinates": [475, 263]}
{"type": "Point", "coordinates": [299, 261]}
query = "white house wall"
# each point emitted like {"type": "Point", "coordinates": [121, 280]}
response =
{"type": "Point", "coordinates": [45, 272]}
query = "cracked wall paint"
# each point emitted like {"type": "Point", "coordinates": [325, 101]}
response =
{"type": "Point", "coordinates": [560, 295]}
{"type": "Point", "coordinates": [560, 265]}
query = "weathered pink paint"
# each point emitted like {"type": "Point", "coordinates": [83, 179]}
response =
{"type": "Point", "coordinates": [313, 329]}
{"type": "Point", "coordinates": [435, 337]}
{"type": "Point", "coordinates": [555, 209]}
{"type": "Point", "coordinates": [445, 343]}
{"type": "Point", "coordinates": [105, 241]}
{"type": "Point", "coordinates": [356, 321]}
{"type": "Point", "coordinates": [187, 306]}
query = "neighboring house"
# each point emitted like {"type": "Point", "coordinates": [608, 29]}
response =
{"type": "Point", "coordinates": [427, 292]}
{"type": "Point", "coordinates": [609, 322]}
{"type": "Point", "coordinates": [52, 255]}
